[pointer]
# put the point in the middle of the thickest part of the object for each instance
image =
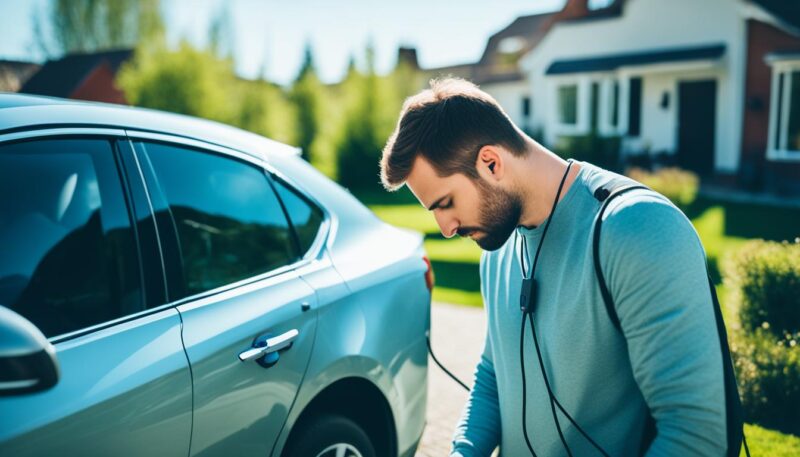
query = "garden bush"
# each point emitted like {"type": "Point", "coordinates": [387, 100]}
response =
{"type": "Point", "coordinates": [764, 278]}
{"type": "Point", "coordinates": [680, 186]}
{"type": "Point", "coordinates": [768, 374]}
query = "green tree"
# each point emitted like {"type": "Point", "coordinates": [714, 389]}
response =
{"type": "Point", "coordinates": [372, 104]}
{"type": "Point", "coordinates": [359, 148]}
{"type": "Point", "coordinates": [93, 25]}
{"type": "Point", "coordinates": [265, 109]}
{"type": "Point", "coordinates": [306, 96]}
{"type": "Point", "coordinates": [186, 80]}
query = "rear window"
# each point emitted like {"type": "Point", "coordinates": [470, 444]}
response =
{"type": "Point", "coordinates": [229, 221]}
{"type": "Point", "coordinates": [305, 216]}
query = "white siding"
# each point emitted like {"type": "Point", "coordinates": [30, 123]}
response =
{"type": "Point", "coordinates": [509, 95]}
{"type": "Point", "coordinates": [652, 25]}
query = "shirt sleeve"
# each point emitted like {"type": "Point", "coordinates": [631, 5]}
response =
{"type": "Point", "coordinates": [478, 429]}
{"type": "Point", "coordinates": [655, 268]}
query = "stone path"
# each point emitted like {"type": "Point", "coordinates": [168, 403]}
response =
{"type": "Point", "coordinates": [457, 334]}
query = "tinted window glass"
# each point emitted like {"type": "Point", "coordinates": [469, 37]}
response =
{"type": "Point", "coordinates": [68, 252]}
{"type": "Point", "coordinates": [306, 218]}
{"type": "Point", "coordinates": [230, 223]}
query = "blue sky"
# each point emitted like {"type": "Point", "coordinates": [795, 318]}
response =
{"type": "Point", "coordinates": [271, 34]}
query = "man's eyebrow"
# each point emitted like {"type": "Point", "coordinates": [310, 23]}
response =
{"type": "Point", "coordinates": [437, 203]}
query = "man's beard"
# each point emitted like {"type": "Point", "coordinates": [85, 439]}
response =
{"type": "Point", "coordinates": [500, 211]}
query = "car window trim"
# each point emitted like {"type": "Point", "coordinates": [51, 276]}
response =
{"type": "Point", "coordinates": [324, 226]}
{"type": "Point", "coordinates": [62, 132]}
{"type": "Point", "coordinates": [135, 181]}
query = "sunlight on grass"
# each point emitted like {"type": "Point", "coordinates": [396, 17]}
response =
{"type": "Point", "coordinates": [711, 227]}
{"type": "Point", "coordinates": [443, 294]}
{"type": "Point", "coordinates": [462, 250]}
{"type": "Point", "coordinates": [409, 216]}
{"type": "Point", "coordinates": [767, 442]}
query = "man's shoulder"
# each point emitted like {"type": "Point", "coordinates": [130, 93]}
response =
{"type": "Point", "coordinates": [646, 222]}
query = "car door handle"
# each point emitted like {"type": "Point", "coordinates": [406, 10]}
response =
{"type": "Point", "coordinates": [274, 344]}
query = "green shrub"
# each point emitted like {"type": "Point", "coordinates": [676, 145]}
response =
{"type": "Point", "coordinates": [680, 186]}
{"type": "Point", "coordinates": [598, 150]}
{"type": "Point", "coordinates": [768, 374]}
{"type": "Point", "coordinates": [764, 278]}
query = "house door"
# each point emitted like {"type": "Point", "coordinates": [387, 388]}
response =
{"type": "Point", "coordinates": [696, 121]}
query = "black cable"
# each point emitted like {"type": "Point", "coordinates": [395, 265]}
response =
{"type": "Point", "coordinates": [585, 435]}
{"type": "Point", "coordinates": [430, 351]}
{"type": "Point", "coordinates": [553, 400]}
{"type": "Point", "coordinates": [547, 386]}
{"type": "Point", "coordinates": [524, 394]}
{"type": "Point", "coordinates": [529, 311]}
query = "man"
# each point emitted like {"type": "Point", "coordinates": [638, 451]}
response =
{"type": "Point", "coordinates": [465, 161]}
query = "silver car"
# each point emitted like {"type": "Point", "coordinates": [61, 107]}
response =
{"type": "Point", "coordinates": [172, 286]}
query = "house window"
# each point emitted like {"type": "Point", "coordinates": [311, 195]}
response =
{"type": "Point", "coordinates": [614, 119]}
{"type": "Point", "coordinates": [635, 107]}
{"type": "Point", "coordinates": [568, 104]}
{"type": "Point", "coordinates": [785, 113]}
{"type": "Point", "coordinates": [526, 107]}
{"type": "Point", "coordinates": [595, 107]}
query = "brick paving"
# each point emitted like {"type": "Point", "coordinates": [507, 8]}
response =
{"type": "Point", "coordinates": [457, 334]}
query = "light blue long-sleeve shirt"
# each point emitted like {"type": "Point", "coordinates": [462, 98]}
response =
{"type": "Point", "coordinates": [668, 359]}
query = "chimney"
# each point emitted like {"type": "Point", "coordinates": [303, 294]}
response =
{"type": "Point", "coordinates": [575, 9]}
{"type": "Point", "coordinates": [408, 55]}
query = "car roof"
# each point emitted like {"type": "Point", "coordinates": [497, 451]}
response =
{"type": "Point", "coordinates": [19, 112]}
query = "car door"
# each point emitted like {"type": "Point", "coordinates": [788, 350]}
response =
{"type": "Point", "coordinates": [72, 264]}
{"type": "Point", "coordinates": [248, 318]}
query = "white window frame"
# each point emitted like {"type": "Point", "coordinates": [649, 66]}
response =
{"type": "Point", "coordinates": [779, 151]}
{"type": "Point", "coordinates": [606, 109]}
{"type": "Point", "coordinates": [562, 128]}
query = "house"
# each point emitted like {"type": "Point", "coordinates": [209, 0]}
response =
{"type": "Point", "coordinates": [497, 71]}
{"type": "Point", "coordinates": [13, 74]}
{"type": "Point", "coordinates": [84, 76]}
{"type": "Point", "coordinates": [709, 84]}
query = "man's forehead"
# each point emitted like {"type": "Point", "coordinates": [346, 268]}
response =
{"type": "Point", "coordinates": [425, 183]}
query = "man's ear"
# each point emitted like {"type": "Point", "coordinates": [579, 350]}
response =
{"type": "Point", "coordinates": [490, 164]}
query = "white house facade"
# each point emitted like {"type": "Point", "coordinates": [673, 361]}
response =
{"type": "Point", "coordinates": [662, 75]}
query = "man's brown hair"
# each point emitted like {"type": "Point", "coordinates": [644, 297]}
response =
{"type": "Point", "coordinates": [447, 124]}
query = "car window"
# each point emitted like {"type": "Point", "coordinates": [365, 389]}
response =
{"type": "Point", "coordinates": [68, 251]}
{"type": "Point", "coordinates": [305, 216]}
{"type": "Point", "coordinates": [229, 221]}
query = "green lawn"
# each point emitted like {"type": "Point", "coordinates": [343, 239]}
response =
{"type": "Point", "coordinates": [764, 442]}
{"type": "Point", "coordinates": [722, 227]}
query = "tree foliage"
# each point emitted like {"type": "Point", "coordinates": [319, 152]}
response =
{"type": "Point", "coordinates": [94, 25]}
{"type": "Point", "coordinates": [306, 96]}
{"type": "Point", "coordinates": [372, 104]}
{"type": "Point", "coordinates": [340, 127]}
{"type": "Point", "coordinates": [186, 80]}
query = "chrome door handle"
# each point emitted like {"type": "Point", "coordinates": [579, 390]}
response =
{"type": "Point", "coordinates": [273, 344]}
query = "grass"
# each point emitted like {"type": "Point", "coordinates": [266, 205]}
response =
{"type": "Point", "coordinates": [410, 216]}
{"type": "Point", "coordinates": [764, 442]}
{"type": "Point", "coordinates": [722, 227]}
{"type": "Point", "coordinates": [460, 250]}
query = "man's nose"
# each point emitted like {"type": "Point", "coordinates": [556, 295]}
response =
{"type": "Point", "coordinates": [447, 225]}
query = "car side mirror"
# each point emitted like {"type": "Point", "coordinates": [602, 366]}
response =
{"type": "Point", "coordinates": [27, 360]}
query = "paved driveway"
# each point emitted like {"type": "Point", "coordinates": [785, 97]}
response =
{"type": "Point", "coordinates": [457, 334]}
